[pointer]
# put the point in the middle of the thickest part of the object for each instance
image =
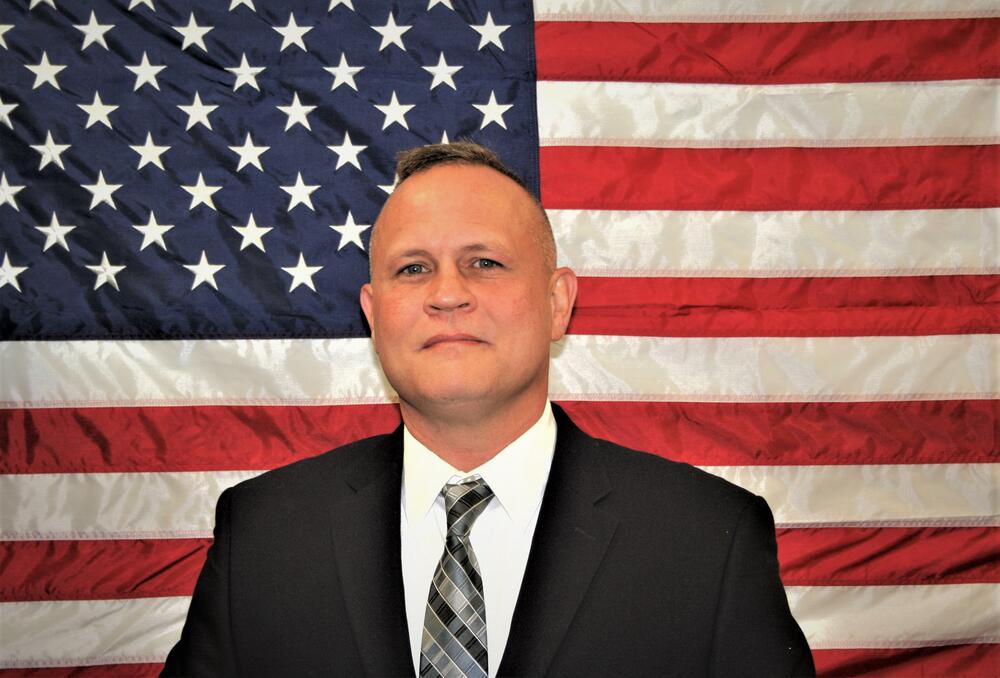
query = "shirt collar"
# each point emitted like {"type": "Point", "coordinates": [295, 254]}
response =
{"type": "Point", "coordinates": [517, 474]}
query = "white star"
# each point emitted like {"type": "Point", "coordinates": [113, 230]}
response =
{"type": "Point", "coordinates": [394, 112]}
{"type": "Point", "coordinates": [93, 32]}
{"type": "Point", "coordinates": [300, 192]}
{"type": "Point", "coordinates": [489, 32]}
{"type": "Point", "coordinates": [197, 112]}
{"type": "Point", "coordinates": [152, 232]}
{"type": "Point", "coordinates": [55, 233]}
{"type": "Point", "coordinates": [135, 3]}
{"type": "Point", "coordinates": [433, 3]}
{"type": "Point", "coordinates": [145, 73]}
{"type": "Point", "coordinates": [346, 3]}
{"type": "Point", "coordinates": [388, 188]}
{"type": "Point", "coordinates": [292, 34]}
{"type": "Point", "coordinates": [36, 3]}
{"type": "Point", "coordinates": [9, 273]}
{"type": "Point", "coordinates": [252, 234]}
{"type": "Point", "coordinates": [45, 72]}
{"type": "Point", "coordinates": [245, 74]}
{"type": "Point", "coordinates": [3, 29]}
{"type": "Point", "coordinates": [443, 73]}
{"type": "Point", "coordinates": [343, 73]}
{"type": "Point", "coordinates": [102, 191]}
{"type": "Point", "coordinates": [149, 152]}
{"type": "Point", "coordinates": [201, 193]}
{"type": "Point", "coordinates": [492, 111]}
{"type": "Point", "coordinates": [391, 33]}
{"type": "Point", "coordinates": [51, 152]}
{"type": "Point", "coordinates": [106, 272]}
{"type": "Point", "coordinates": [5, 111]}
{"type": "Point", "coordinates": [444, 137]}
{"type": "Point", "coordinates": [236, 3]}
{"type": "Point", "coordinates": [98, 111]}
{"type": "Point", "coordinates": [249, 154]}
{"type": "Point", "coordinates": [193, 34]}
{"type": "Point", "coordinates": [8, 191]}
{"type": "Point", "coordinates": [347, 152]}
{"type": "Point", "coordinates": [302, 274]}
{"type": "Point", "coordinates": [350, 232]}
{"type": "Point", "coordinates": [296, 113]}
{"type": "Point", "coordinates": [204, 271]}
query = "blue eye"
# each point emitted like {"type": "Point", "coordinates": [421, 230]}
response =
{"type": "Point", "coordinates": [487, 263]}
{"type": "Point", "coordinates": [412, 269]}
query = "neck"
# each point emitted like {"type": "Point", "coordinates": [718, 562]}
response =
{"type": "Point", "coordinates": [467, 437]}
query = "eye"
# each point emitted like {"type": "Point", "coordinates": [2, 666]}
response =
{"type": "Point", "coordinates": [486, 263]}
{"type": "Point", "coordinates": [412, 269]}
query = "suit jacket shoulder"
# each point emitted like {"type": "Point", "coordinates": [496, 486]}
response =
{"type": "Point", "coordinates": [303, 576]}
{"type": "Point", "coordinates": [672, 568]}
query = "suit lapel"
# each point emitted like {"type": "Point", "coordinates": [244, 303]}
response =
{"type": "Point", "coordinates": [366, 546]}
{"type": "Point", "coordinates": [569, 543]}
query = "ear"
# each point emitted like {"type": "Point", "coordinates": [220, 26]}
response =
{"type": "Point", "coordinates": [366, 304]}
{"type": "Point", "coordinates": [562, 292]}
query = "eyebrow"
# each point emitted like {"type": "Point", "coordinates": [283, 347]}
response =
{"type": "Point", "coordinates": [472, 248]}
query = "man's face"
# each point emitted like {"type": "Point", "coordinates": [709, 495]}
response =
{"type": "Point", "coordinates": [462, 304]}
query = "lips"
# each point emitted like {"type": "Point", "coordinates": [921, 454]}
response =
{"type": "Point", "coordinates": [439, 339]}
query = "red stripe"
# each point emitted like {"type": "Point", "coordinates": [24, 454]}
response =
{"type": "Point", "coordinates": [865, 178]}
{"type": "Point", "coordinates": [181, 439]}
{"type": "Point", "coordinates": [889, 556]}
{"type": "Point", "coordinates": [953, 661]}
{"type": "Point", "coordinates": [103, 671]}
{"type": "Point", "coordinates": [769, 53]}
{"type": "Point", "coordinates": [797, 307]}
{"type": "Point", "coordinates": [100, 569]}
{"type": "Point", "coordinates": [722, 434]}
{"type": "Point", "coordinates": [118, 569]}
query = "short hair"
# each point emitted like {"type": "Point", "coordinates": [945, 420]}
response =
{"type": "Point", "coordinates": [463, 152]}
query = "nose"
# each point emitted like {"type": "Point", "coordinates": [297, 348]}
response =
{"type": "Point", "coordinates": [449, 291]}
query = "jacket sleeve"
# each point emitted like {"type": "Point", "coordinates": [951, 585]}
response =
{"type": "Point", "coordinates": [205, 647]}
{"type": "Point", "coordinates": [755, 633]}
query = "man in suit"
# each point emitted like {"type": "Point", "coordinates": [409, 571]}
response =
{"type": "Point", "coordinates": [487, 535]}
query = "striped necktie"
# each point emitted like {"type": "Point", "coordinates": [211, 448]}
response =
{"type": "Point", "coordinates": [454, 639]}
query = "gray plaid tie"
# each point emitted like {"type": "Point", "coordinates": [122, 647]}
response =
{"type": "Point", "coordinates": [454, 640]}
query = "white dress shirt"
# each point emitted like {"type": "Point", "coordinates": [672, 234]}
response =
{"type": "Point", "coordinates": [501, 536]}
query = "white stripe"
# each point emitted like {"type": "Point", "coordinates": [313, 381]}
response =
{"type": "Point", "coordinates": [112, 505]}
{"type": "Point", "coordinates": [766, 244]}
{"type": "Point", "coordinates": [584, 367]}
{"type": "Point", "coordinates": [875, 494]}
{"type": "Point", "coordinates": [823, 114]}
{"type": "Point", "coordinates": [91, 632]}
{"type": "Point", "coordinates": [782, 369]}
{"type": "Point", "coordinates": [896, 616]}
{"type": "Point", "coordinates": [180, 504]}
{"type": "Point", "coordinates": [758, 10]}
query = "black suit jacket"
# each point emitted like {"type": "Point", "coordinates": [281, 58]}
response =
{"type": "Point", "coordinates": [639, 567]}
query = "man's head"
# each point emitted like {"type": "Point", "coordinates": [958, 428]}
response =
{"type": "Point", "coordinates": [465, 297]}
{"type": "Point", "coordinates": [422, 158]}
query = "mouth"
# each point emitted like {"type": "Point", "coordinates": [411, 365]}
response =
{"type": "Point", "coordinates": [451, 339]}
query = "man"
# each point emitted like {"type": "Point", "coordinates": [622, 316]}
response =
{"type": "Point", "coordinates": [488, 535]}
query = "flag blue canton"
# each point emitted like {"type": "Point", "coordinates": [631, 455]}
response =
{"type": "Point", "coordinates": [168, 138]}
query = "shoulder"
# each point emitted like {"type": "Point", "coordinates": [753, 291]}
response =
{"type": "Point", "coordinates": [646, 482]}
{"type": "Point", "coordinates": [658, 479]}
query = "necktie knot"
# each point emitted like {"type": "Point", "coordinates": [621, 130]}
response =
{"type": "Point", "coordinates": [464, 502]}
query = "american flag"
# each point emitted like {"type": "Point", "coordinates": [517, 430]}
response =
{"type": "Point", "coordinates": [785, 213]}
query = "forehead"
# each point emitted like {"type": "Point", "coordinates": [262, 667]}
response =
{"type": "Point", "coordinates": [449, 200]}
